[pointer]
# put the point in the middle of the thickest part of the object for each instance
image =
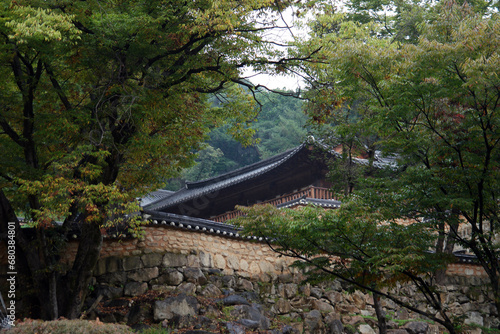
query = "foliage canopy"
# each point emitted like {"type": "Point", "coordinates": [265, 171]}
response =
{"type": "Point", "coordinates": [428, 95]}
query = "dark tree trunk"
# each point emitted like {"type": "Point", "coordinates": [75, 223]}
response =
{"type": "Point", "coordinates": [55, 297]}
{"type": "Point", "coordinates": [28, 264]}
{"type": "Point", "coordinates": [379, 311]}
{"type": "Point", "coordinates": [78, 278]}
{"type": "Point", "coordinates": [445, 244]}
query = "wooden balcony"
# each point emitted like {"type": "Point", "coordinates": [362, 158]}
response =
{"type": "Point", "coordinates": [310, 192]}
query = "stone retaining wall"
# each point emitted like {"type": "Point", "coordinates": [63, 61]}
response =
{"type": "Point", "coordinates": [170, 258]}
{"type": "Point", "coordinates": [232, 255]}
{"type": "Point", "coordinates": [283, 294]}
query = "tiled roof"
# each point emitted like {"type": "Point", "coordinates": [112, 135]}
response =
{"type": "Point", "coordinates": [194, 190]}
{"type": "Point", "coordinates": [379, 161]}
{"type": "Point", "coordinates": [190, 223]}
{"type": "Point", "coordinates": [155, 196]}
{"type": "Point", "coordinates": [325, 203]}
{"type": "Point", "coordinates": [197, 189]}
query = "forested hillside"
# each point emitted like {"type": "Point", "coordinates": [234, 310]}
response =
{"type": "Point", "coordinates": [280, 125]}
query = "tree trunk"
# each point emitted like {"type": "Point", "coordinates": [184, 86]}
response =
{"type": "Point", "coordinates": [382, 322]}
{"type": "Point", "coordinates": [445, 244]}
{"type": "Point", "coordinates": [55, 297]}
{"type": "Point", "coordinates": [28, 265]}
{"type": "Point", "coordinates": [78, 278]}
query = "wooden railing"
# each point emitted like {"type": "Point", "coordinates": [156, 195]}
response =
{"type": "Point", "coordinates": [310, 192]}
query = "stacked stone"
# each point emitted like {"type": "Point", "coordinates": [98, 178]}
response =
{"type": "Point", "coordinates": [315, 309]}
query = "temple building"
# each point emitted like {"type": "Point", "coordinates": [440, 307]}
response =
{"type": "Point", "coordinates": [292, 178]}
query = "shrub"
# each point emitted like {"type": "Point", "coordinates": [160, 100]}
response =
{"type": "Point", "coordinates": [68, 326]}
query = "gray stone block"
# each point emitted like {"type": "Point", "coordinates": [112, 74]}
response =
{"type": "Point", "coordinates": [108, 265]}
{"type": "Point", "coordinates": [397, 331]}
{"type": "Point", "coordinates": [173, 277]}
{"type": "Point", "coordinates": [235, 328]}
{"type": "Point", "coordinates": [334, 297]}
{"type": "Point", "coordinates": [235, 300]}
{"type": "Point", "coordinates": [322, 306]}
{"type": "Point", "coordinates": [152, 260]}
{"type": "Point", "coordinates": [114, 278]}
{"type": "Point", "coordinates": [180, 305]}
{"type": "Point", "coordinates": [473, 318]}
{"type": "Point", "coordinates": [251, 313]}
{"type": "Point", "coordinates": [172, 260]}
{"type": "Point", "coordinates": [290, 290]}
{"type": "Point", "coordinates": [110, 292]}
{"type": "Point", "coordinates": [252, 324]}
{"type": "Point", "coordinates": [132, 263]}
{"type": "Point", "coordinates": [366, 329]}
{"type": "Point", "coordinates": [316, 292]}
{"type": "Point", "coordinates": [305, 289]}
{"type": "Point", "coordinates": [206, 260]}
{"type": "Point", "coordinates": [229, 281]}
{"type": "Point", "coordinates": [282, 306]}
{"type": "Point", "coordinates": [211, 290]}
{"type": "Point", "coordinates": [245, 285]}
{"type": "Point", "coordinates": [417, 327]}
{"type": "Point", "coordinates": [143, 275]}
{"type": "Point", "coordinates": [193, 261]}
{"type": "Point", "coordinates": [135, 289]}
{"type": "Point", "coordinates": [335, 327]}
{"type": "Point", "coordinates": [291, 330]}
{"type": "Point", "coordinates": [195, 275]}
{"type": "Point", "coordinates": [285, 278]}
{"type": "Point", "coordinates": [313, 321]}
{"type": "Point", "coordinates": [187, 288]}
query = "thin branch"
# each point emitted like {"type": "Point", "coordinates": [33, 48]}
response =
{"type": "Point", "coordinates": [58, 88]}
{"type": "Point", "coordinates": [213, 89]}
{"type": "Point", "coordinates": [9, 131]}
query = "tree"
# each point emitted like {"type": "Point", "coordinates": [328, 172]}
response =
{"type": "Point", "coordinates": [102, 101]}
{"type": "Point", "coordinates": [280, 125]}
{"type": "Point", "coordinates": [433, 102]}
{"type": "Point", "coordinates": [439, 112]}
{"type": "Point", "coordinates": [357, 246]}
{"type": "Point", "coordinates": [208, 158]}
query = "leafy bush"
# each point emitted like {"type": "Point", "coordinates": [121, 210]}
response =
{"type": "Point", "coordinates": [155, 330]}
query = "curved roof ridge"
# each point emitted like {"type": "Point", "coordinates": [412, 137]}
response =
{"type": "Point", "coordinates": [234, 177]}
{"type": "Point", "coordinates": [242, 170]}
{"type": "Point", "coordinates": [304, 200]}
{"type": "Point", "coordinates": [155, 196]}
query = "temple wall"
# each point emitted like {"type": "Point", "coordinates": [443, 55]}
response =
{"type": "Point", "coordinates": [231, 255]}
{"type": "Point", "coordinates": [169, 259]}
{"type": "Point", "coordinates": [466, 270]}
